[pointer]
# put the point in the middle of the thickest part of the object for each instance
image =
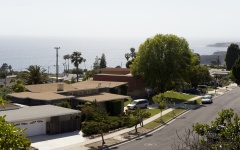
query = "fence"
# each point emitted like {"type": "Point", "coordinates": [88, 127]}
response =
{"type": "Point", "coordinates": [63, 126]}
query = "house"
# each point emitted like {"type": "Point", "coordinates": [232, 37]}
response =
{"type": "Point", "coordinates": [120, 71]}
{"type": "Point", "coordinates": [136, 86]}
{"type": "Point", "coordinates": [75, 94]}
{"type": "Point", "coordinates": [44, 119]}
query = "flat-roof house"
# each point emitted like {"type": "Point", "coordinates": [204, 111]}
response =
{"type": "Point", "coordinates": [44, 119]}
{"type": "Point", "coordinates": [75, 94]}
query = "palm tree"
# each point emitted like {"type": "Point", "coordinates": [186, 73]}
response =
{"type": "Point", "coordinates": [68, 57]}
{"type": "Point", "coordinates": [65, 57]}
{"type": "Point", "coordinates": [76, 59]}
{"type": "Point", "coordinates": [127, 56]}
{"type": "Point", "coordinates": [84, 60]}
{"type": "Point", "coordinates": [35, 75]}
{"type": "Point", "coordinates": [133, 53]}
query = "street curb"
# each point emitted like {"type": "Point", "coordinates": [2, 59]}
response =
{"type": "Point", "coordinates": [124, 141]}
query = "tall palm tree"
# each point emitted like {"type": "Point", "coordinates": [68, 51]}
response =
{"type": "Point", "coordinates": [68, 57]}
{"type": "Point", "coordinates": [127, 56]}
{"type": "Point", "coordinates": [76, 59]}
{"type": "Point", "coordinates": [133, 53]}
{"type": "Point", "coordinates": [35, 75]}
{"type": "Point", "coordinates": [84, 63]}
{"type": "Point", "coordinates": [65, 64]}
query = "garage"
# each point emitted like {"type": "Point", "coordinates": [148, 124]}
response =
{"type": "Point", "coordinates": [35, 118]}
{"type": "Point", "coordinates": [33, 127]}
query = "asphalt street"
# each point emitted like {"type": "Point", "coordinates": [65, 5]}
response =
{"type": "Point", "coordinates": [164, 138]}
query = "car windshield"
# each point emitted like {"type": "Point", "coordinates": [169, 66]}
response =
{"type": "Point", "coordinates": [133, 102]}
{"type": "Point", "coordinates": [206, 96]}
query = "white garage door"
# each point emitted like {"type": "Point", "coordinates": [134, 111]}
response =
{"type": "Point", "coordinates": [33, 127]}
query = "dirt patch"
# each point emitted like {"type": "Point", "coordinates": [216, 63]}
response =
{"type": "Point", "coordinates": [133, 134]}
{"type": "Point", "coordinates": [98, 145]}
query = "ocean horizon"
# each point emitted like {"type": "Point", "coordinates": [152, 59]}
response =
{"type": "Point", "coordinates": [21, 52]}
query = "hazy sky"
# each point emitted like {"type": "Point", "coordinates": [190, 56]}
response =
{"type": "Point", "coordinates": [121, 18]}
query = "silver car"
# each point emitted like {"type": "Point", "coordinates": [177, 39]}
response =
{"type": "Point", "coordinates": [207, 99]}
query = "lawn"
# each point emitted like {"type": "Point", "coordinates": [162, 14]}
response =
{"type": "Point", "coordinates": [165, 118]}
{"type": "Point", "coordinates": [178, 97]}
{"type": "Point", "coordinates": [154, 111]}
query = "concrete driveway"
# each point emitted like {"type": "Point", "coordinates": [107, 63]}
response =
{"type": "Point", "coordinates": [49, 142]}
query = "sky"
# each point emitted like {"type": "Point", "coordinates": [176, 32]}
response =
{"type": "Point", "coordinates": [199, 19]}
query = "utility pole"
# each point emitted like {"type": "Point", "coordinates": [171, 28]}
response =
{"type": "Point", "coordinates": [56, 62]}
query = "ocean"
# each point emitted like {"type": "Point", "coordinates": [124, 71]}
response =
{"type": "Point", "coordinates": [21, 52]}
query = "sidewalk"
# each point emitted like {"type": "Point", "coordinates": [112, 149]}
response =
{"type": "Point", "coordinates": [117, 134]}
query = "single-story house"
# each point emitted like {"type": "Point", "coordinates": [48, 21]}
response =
{"type": "Point", "coordinates": [54, 93]}
{"type": "Point", "coordinates": [44, 119]}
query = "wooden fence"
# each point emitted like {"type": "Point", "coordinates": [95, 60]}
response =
{"type": "Point", "coordinates": [63, 126]}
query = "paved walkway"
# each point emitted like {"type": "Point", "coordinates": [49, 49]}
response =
{"type": "Point", "coordinates": [76, 141]}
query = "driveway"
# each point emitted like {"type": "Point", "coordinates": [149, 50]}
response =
{"type": "Point", "coordinates": [49, 142]}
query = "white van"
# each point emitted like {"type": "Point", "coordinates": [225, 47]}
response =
{"type": "Point", "coordinates": [138, 103]}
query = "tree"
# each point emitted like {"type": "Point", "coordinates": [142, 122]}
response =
{"type": "Point", "coordinates": [18, 86]}
{"type": "Point", "coordinates": [236, 71]}
{"type": "Point", "coordinates": [4, 91]}
{"type": "Point", "coordinates": [65, 57]}
{"type": "Point", "coordinates": [199, 75]}
{"type": "Point", "coordinates": [84, 60]}
{"type": "Point", "coordinates": [76, 59]}
{"type": "Point", "coordinates": [103, 63]}
{"type": "Point", "coordinates": [133, 53]}
{"type": "Point", "coordinates": [64, 104]}
{"type": "Point", "coordinates": [139, 116]}
{"type": "Point", "coordinates": [96, 120]}
{"type": "Point", "coordinates": [11, 136]}
{"type": "Point", "coordinates": [223, 133]}
{"type": "Point", "coordinates": [233, 53]}
{"type": "Point", "coordinates": [35, 75]}
{"type": "Point", "coordinates": [127, 56]}
{"type": "Point", "coordinates": [96, 64]}
{"type": "Point", "coordinates": [160, 100]}
{"type": "Point", "coordinates": [162, 61]}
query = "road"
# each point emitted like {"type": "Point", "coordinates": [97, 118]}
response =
{"type": "Point", "coordinates": [164, 138]}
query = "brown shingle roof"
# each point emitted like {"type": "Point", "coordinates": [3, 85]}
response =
{"type": "Point", "coordinates": [97, 84]}
{"type": "Point", "coordinates": [52, 87]}
{"type": "Point", "coordinates": [39, 96]}
{"type": "Point", "coordinates": [102, 97]}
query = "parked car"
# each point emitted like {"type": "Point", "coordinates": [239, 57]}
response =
{"type": "Point", "coordinates": [207, 99]}
{"type": "Point", "coordinates": [192, 91]}
{"type": "Point", "coordinates": [138, 103]}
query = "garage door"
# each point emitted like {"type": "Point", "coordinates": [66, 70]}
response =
{"type": "Point", "coordinates": [33, 127]}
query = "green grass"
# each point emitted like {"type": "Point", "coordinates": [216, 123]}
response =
{"type": "Point", "coordinates": [178, 97]}
{"type": "Point", "coordinates": [154, 111]}
{"type": "Point", "coordinates": [127, 101]}
{"type": "Point", "coordinates": [165, 118]}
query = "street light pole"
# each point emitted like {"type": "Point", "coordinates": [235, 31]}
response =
{"type": "Point", "coordinates": [56, 62]}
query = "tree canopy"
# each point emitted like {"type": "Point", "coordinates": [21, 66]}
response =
{"type": "Point", "coordinates": [222, 134]}
{"type": "Point", "coordinates": [233, 53]}
{"type": "Point", "coordinates": [103, 63]}
{"type": "Point", "coordinates": [162, 61]}
{"type": "Point", "coordinates": [12, 137]}
{"type": "Point", "coordinates": [35, 75]}
{"type": "Point", "coordinates": [236, 71]}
